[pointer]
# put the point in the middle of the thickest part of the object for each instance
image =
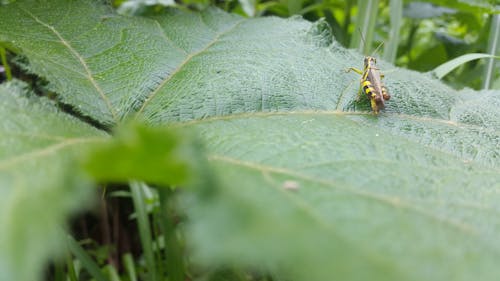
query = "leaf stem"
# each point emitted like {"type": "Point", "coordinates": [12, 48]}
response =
{"type": "Point", "coordinates": [396, 12]}
{"type": "Point", "coordinates": [493, 43]}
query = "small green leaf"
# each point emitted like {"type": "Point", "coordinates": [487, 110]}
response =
{"type": "Point", "coordinates": [448, 66]}
{"type": "Point", "coordinates": [163, 156]}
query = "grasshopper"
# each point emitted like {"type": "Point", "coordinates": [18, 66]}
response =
{"type": "Point", "coordinates": [371, 83]}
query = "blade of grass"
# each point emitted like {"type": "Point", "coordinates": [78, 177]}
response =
{"type": "Point", "coordinates": [173, 250]}
{"type": "Point", "coordinates": [391, 47]}
{"type": "Point", "coordinates": [448, 66]}
{"type": "Point", "coordinates": [338, 30]}
{"type": "Point", "coordinates": [158, 243]}
{"type": "Point", "coordinates": [144, 227]}
{"type": "Point", "coordinates": [113, 275]}
{"type": "Point", "coordinates": [128, 264]}
{"type": "Point", "coordinates": [313, 7]}
{"type": "Point", "coordinates": [248, 7]}
{"type": "Point", "coordinates": [3, 60]}
{"type": "Point", "coordinates": [365, 23]}
{"type": "Point", "coordinates": [493, 43]}
{"type": "Point", "coordinates": [59, 271]}
{"type": "Point", "coordinates": [87, 262]}
{"type": "Point", "coordinates": [71, 269]}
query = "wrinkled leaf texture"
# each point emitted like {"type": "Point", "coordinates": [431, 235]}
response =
{"type": "Point", "coordinates": [311, 184]}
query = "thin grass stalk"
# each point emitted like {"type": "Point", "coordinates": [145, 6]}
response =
{"type": "Point", "coordinates": [3, 61]}
{"type": "Point", "coordinates": [493, 43]}
{"type": "Point", "coordinates": [71, 269]}
{"type": "Point", "coordinates": [87, 263]}
{"type": "Point", "coordinates": [59, 271]}
{"type": "Point", "coordinates": [144, 228]}
{"type": "Point", "coordinates": [128, 264]}
{"type": "Point", "coordinates": [112, 273]}
{"type": "Point", "coordinates": [391, 46]}
{"type": "Point", "coordinates": [173, 250]}
{"type": "Point", "coordinates": [158, 243]}
{"type": "Point", "coordinates": [365, 23]}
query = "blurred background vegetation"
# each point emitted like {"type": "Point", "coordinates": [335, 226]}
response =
{"type": "Point", "coordinates": [418, 35]}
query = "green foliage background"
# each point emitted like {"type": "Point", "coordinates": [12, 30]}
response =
{"type": "Point", "coordinates": [284, 175]}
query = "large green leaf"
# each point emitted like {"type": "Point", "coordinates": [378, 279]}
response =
{"type": "Point", "coordinates": [103, 64]}
{"type": "Point", "coordinates": [326, 196]}
{"type": "Point", "coordinates": [312, 184]}
{"type": "Point", "coordinates": [39, 184]}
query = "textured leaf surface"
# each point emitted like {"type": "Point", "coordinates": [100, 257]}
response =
{"type": "Point", "coordinates": [38, 183]}
{"type": "Point", "coordinates": [326, 196]}
{"type": "Point", "coordinates": [312, 184]}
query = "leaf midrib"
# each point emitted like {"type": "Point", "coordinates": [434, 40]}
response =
{"type": "Point", "coordinates": [334, 113]}
{"type": "Point", "coordinates": [395, 202]}
{"type": "Point", "coordinates": [186, 61]}
{"type": "Point", "coordinates": [346, 113]}
{"type": "Point", "coordinates": [81, 60]}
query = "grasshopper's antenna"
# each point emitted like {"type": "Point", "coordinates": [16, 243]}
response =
{"type": "Point", "coordinates": [378, 47]}
{"type": "Point", "coordinates": [362, 39]}
{"type": "Point", "coordinates": [364, 43]}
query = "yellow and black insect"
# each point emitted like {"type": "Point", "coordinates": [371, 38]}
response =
{"type": "Point", "coordinates": [371, 84]}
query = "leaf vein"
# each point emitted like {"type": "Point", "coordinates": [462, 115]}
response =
{"type": "Point", "coordinates": [187, 60]}
{"type": "Point", "coordinates": [395, 202]}
{"type": "Point", "coordinates": [168, 39]}
{"type": "Point", "coordinates": [82, 61]}
{"type": "Point", "coordinates": [304, 206]}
